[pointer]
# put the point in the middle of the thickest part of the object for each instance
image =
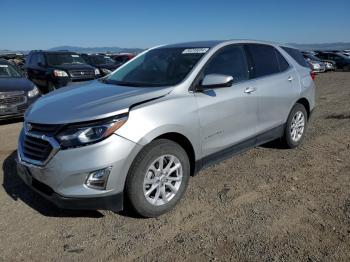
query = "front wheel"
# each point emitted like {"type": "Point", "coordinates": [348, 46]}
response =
{"type": "Point", "coordinates": [296, 127]}
{"type": "Point", "coordinates": [158, 178]}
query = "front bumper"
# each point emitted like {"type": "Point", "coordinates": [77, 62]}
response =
{"type": "Point", "coordinates": [16, 111]}
{"type": "Point", "coordinates": [62, 179]}
{"type": "Point", "coordinates": [110, 202]}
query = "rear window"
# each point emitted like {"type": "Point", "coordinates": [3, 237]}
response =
{"type": "Point", "coordinates": [264, 60]}
{"type": "Point", "coordinates": [297, 55]}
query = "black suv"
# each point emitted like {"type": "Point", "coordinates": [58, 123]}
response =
{"type": "Point", "coordinates": [341, 61]}
{"type": "Point", "coordinates": [50, 70]}
{"type": "Point", "coordinates": [103, 62]}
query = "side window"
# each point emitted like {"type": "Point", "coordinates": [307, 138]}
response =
{"type": "Point", "coordinates": [229, 61]}
{"type": "Point", "coordinates": [264, 60]}
{"type": "Point", "coordinates": [41, 59]}
{"type": "Point", "coordinates": [282, 62]}
{"type": "Point", "coordinates": [297, 56]}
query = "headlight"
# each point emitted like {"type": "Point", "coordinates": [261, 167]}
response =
{"type": "Point", "coordinates": [97, 72]}
{"type": "Point", "coordinates": [60, 73]}
{"type": "Point", "coordinates": [106, 71]}
{"type": "Point", "coordinates": [34, 92]}
{"type": "Point", "coordinates": [82, 134]}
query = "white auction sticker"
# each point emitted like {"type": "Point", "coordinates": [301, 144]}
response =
{"type": "Point", "coordinates": [4, 66]}
{"type": "Point", "coordinates": [195, 51]}
{"type": "Point", "coordinates": [75, 55]}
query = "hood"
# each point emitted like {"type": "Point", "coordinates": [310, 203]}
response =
{"type": "Point", "coordinates": [89, 101]}
{"type": "Point", "coordinates": [69, 67]}
{"type": "Point", "coordinates": [15, 84]}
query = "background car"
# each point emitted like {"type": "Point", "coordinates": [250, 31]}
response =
{"type": "Point", "coordinates": [317, 65]}
{"type": "Point", "coordinates": [340, 61]}
{"type": "Point", "coordinates": [17, 93]}
{"type": "Point", "coordinates": [103, 62]}
{"type": "Point", "coordinates": [122, 58]}
{"type": "Point", "coordinates": [50, 70]}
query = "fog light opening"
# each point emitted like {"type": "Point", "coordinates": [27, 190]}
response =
{"type": "Point", "coordinates": [98, 178]}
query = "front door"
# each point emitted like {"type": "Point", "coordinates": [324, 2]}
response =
{"type": "Point", "coordinates": [227, 115]}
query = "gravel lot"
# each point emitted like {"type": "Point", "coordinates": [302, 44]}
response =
{"type": "Point", "coordinates": [267, 204]}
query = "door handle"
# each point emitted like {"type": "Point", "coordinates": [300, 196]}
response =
{"type": "Point", "coordinates": [249, 90]}
{"type": "Point", "coordinates": [290, 78]}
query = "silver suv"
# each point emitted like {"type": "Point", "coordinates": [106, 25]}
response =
{"type": "Point", "coordinates": [134, 138]}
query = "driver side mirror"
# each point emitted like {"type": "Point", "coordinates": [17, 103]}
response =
{"type": "Point", "coordinates": [216, 81]}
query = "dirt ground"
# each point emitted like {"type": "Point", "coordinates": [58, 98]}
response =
{"type": "Point", "coordinates": [267, 204]}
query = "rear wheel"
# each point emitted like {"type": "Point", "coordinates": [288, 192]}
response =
{"type": "Point", "coordinates": [158, 178]}
{"type": "Point", "coordinates": [296, 126]}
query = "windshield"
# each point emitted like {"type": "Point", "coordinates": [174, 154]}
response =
{"type": "Point", "coordinates": [64, 58]}
{"type": "Point", "coordinates": [158, 67]}
{"type": "Point", "coordinates": [9, 71]}
{"type": "Point", "coordinates": [102, 60]}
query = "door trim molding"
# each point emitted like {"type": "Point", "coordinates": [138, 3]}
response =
{"type": "Point", "coordinates": [240, 147]}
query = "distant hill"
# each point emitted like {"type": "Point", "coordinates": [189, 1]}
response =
{"type": "Point", "coordinates": [324, 46]}
{"type": "Point", "coordinates": [82, 49]}
{"type": "Point", "coordinates": [97, 49]}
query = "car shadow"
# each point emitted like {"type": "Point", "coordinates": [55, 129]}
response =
{"type": "Point", "coordinates": [11, 121]}
{"type": "Point", "coordinates": [18, 190]}
{"type": "Point", "coordinates": [275, 144]}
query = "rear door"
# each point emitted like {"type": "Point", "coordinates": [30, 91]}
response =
{"type": "Point", "coordinates": [276, 83]}
{"type": "Point", "coordinates": [227, 115]}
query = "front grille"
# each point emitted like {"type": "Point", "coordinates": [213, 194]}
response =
{"type": "Point", "coordinates": [46, 129]}
{"type": "Point", "coordinates": [82, 74]}
{"type": "Point", "coordinates": [11, 99]}
{"type": "Point", "coordinates": [36, 148]}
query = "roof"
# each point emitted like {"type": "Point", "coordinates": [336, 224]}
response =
{"type": "Point", "coordinates": [212, 43]}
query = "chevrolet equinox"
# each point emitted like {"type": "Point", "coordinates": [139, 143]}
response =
{"type": "Point", "coordinates": [134, 138]}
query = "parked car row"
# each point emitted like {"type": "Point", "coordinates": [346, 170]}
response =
{"type": "Point", "coordinates": [52, 70]}
{"type": "Point", "coordinates": [23, 79]}
{"type": "Point", "coordinates": [322, 61]}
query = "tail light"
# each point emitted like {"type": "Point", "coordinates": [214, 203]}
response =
{"type": "Point", "coordinates": [313, 75]}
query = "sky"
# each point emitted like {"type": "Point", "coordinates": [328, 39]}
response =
{"type": "Point", "coordinates": [106, 23]}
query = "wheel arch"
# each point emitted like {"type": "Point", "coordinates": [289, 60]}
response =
{"type": "Point", "coordinates": [185, 143]}
{"type": "Point", "coordinates": [306, 104]}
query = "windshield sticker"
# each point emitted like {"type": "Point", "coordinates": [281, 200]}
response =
{"type": "Point", "coordinates": [195, 51]}
{"type": "Point", "coordinates": [75, 55]}
{"type": "Point", "coordinates": [4, 66]}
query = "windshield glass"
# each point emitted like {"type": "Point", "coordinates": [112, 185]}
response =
{"type": "Point", "coordinates": [102, 60]}
{"type": "Point", "coordinates": [9, 71]}
{"type": "Point", "coordinates": [158, 67]}
{"type": "Point", "coordinates": [64, 58]}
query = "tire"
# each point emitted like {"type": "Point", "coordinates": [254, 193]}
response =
{"type": "Point", "coordinates": [292, 139]}
{"type": "Point", "coordinates": [346, 68]}
{"type": "Point", "coordinates": [146, 169]}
